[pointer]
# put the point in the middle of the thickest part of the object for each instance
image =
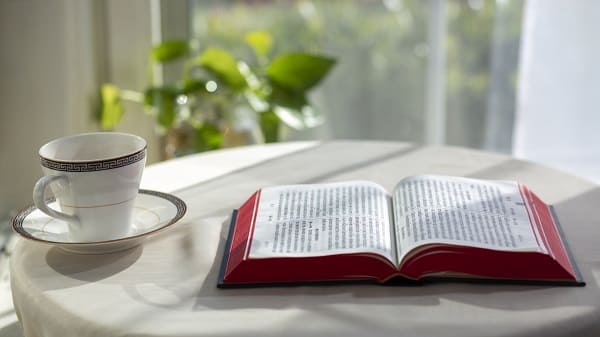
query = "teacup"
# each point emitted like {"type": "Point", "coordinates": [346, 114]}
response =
{"type": "Point", "coordinates": [95, 178]}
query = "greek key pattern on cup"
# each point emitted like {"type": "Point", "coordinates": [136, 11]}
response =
{"type": "Point", "coordinates": [92, 166]}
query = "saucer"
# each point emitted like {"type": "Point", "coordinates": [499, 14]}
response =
{"type": "Point", "coordinates": [152, 212]}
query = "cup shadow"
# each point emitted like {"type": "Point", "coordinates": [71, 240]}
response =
{"type": "Point", "coordinates": [92, 267]}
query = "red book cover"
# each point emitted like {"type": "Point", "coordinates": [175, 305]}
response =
{"type": "Point", "coordinates": [433, 258]}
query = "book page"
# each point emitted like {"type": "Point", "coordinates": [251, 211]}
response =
{"type": "Point", "coordinates": [453, 210]}
{"type": "Point", "coordinates": [323, 219]}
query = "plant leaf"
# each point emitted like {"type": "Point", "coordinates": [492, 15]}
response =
{"type": "Point", "coordinates": [207, 137]}
{"type": "Point", "coordinates": [298, 71]}
{"type": "Point", "coordinates": [169, 50]}
{"type": "Point", "coordinates": [269, 124]}
{"type": "Point", "coordinates": [260, 41]}
{"type": "Point", "coordinates": [162, 101]}
{"type": "Point", "coordinates": [223, 65]}
{"type": "Point", "coordinates": [293, 108]}
{"type": "Point", "coordinates": [111, 107]}
{"type": "Point", "coordinates": [284, 96]}
{"type": "Point", "coordinates": [190, 86]}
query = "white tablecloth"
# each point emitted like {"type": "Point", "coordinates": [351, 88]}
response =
{"type": "Point", "coordinates": [167, 286]}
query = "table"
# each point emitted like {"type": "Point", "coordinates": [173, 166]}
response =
{"type": "Point", "coordinates": [167, 286]}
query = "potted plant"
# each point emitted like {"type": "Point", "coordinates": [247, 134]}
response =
{"type": "Point", "coordinates": [223, 100]}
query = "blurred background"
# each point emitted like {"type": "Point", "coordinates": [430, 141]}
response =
{"type": "Point", "coordinates": [515, 77]}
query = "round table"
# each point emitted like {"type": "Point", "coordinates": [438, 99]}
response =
{"type": "Point", "coordinates": [167, 286]}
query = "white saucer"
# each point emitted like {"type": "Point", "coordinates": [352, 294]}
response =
{"type": "Point", "coordinates": [153, 211]}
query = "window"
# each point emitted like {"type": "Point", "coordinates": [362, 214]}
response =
{"type": "Point", "coordinates": [383, 86]}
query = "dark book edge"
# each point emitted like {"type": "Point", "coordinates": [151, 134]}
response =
{"type": "Point", "coordinates": [463, 280]}
{"type": "Point", "coordinates": [402, 282]}
{"type": "Point", "coordinates": [399, 281]}
{"type": "Point", "coordinates": [297, 284]}
{"type": "Point", "coordinates": [226, 250]}
{"type": "Point", "coordinates": [579, 278]}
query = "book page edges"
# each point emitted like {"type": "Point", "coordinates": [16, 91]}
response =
{"type": "Point", "coordinates": [226, 250]}
{"type": "Point", "coordinates": [238, 240]}
{"type": "Point", "coordinates": [561, 233]}
{"type": "Point", "coordinates": [553, 235]}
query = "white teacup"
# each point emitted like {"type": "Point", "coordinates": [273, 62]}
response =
{"type": "Point", "coordinates": [95, 178]}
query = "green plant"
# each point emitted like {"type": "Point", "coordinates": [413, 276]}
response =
{"type": "Point", "coordinates": [214, 83]}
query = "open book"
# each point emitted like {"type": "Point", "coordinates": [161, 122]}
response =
{"type": "Point", "coordinates": [429, 227]}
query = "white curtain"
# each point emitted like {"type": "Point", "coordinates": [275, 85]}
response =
{"type": "Point", "coordinates": [558, 109]}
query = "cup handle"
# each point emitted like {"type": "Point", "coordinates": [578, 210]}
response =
{"type": "Point", "coordinates": [39, 199]}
